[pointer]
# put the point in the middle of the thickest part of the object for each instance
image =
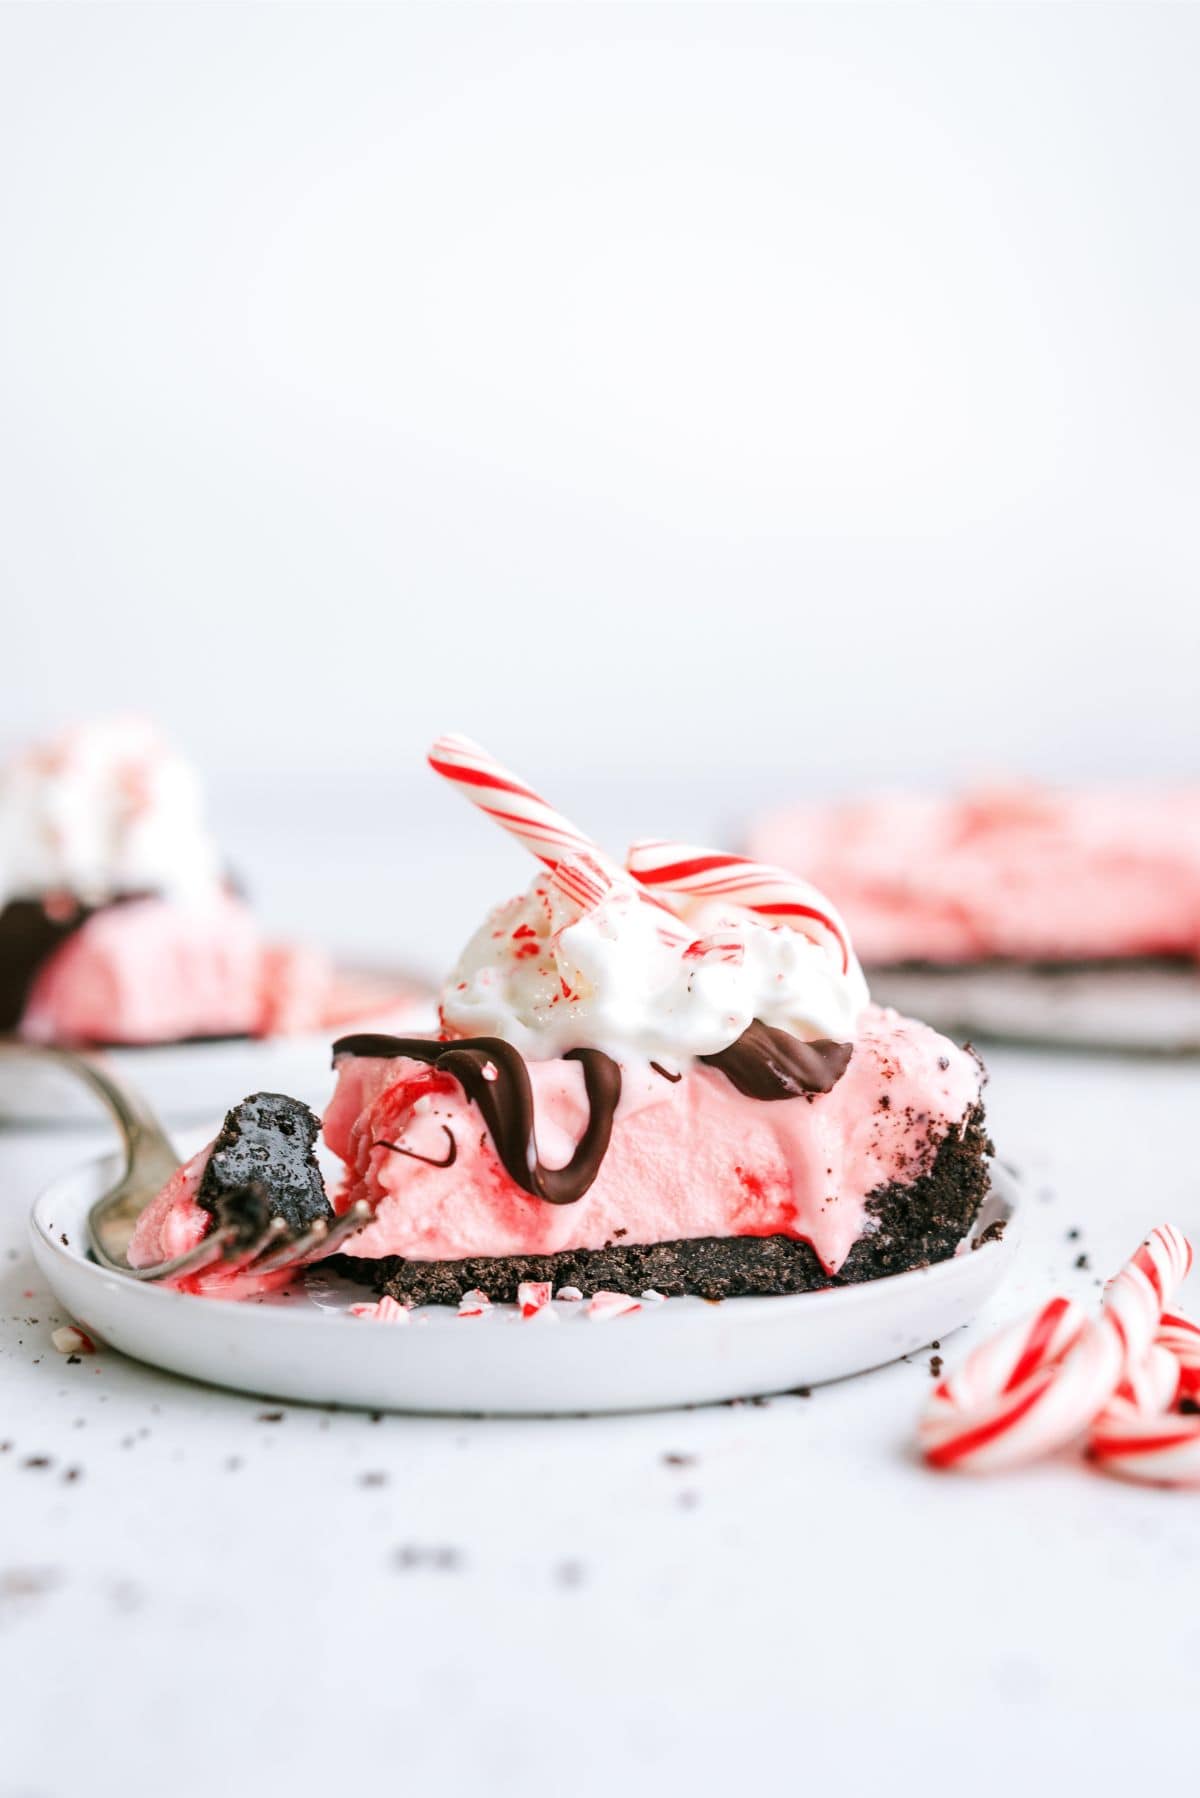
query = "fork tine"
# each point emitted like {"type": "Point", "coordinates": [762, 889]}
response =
{"type": "Point", "coordinates": [234, 1260]}
{"type": "Point", "coordinates": [295, 1249]}
{"type": "Point", "coordinates": [209, 1249]}
{"type": "Point", "coordinates": [322, 1235]}
{"type": "Point", "coordinates": [360, 1213]}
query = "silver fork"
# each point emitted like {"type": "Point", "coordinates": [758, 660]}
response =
{"type": "Point", "coordinates": [150, 1161]}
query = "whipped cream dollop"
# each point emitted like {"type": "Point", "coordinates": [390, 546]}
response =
{"type": "Point", "coordinates": [102, 809]}
{"type": "Point", "coordinates": [622, 975]}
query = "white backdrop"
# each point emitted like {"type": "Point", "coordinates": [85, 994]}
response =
{"type": "Point", "coordinates": [672, 386]}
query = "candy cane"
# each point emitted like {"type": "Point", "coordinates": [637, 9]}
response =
{"type": "Point", "coordinates": [770, 893]}
{"type": "Point", "coordinates": [1145, 1433]}
{"type": "Point", "coordinates": [581, 866]}
{"type": "Point", "coordinates": [1038, 1385]}
{"type": "Point", "coordinates": [520, 811]}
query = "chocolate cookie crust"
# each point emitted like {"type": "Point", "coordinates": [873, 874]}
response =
{"type": "Point", "coordinates": [914, 1224]}
{"type": "Point", "coordinates": [263, 1162]}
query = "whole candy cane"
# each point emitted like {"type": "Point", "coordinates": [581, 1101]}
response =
{"type": "Point", "coordinates": [770, 893]}
{"type": "Point", "coordinates": [1040, 1385]}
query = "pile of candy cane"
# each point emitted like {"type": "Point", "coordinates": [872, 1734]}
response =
{"type": "Point", "coordinates": [1125, 1384]}
{"type": "Point", "coordinates": [659, 872]}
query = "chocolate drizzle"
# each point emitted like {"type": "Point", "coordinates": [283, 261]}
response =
{"type": "Point", "coordinates": [765, 1063]}
{"type": "Point", "coordinates": [495, 1078]}
{"type": "Point", "coordinates": [398, 1148]}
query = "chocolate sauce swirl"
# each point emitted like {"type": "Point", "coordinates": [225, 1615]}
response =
{"type": "Point", "coordinates": [494, 1076]}
{"type": "Point", "coordinates": [763, 1063]}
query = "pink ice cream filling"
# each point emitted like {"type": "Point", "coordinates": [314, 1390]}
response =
{"type": "Point", "coordinates": [687, 1159]}
{"type": "Point", "coordinates": [159, 970]}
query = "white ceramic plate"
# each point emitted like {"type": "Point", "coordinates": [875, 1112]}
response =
{"type": "Point", "coordinates": [194, 1080]}
{"type": "Point", "coordinates": [303, 1345]}
{"type": "Point", "coordinates": [1142, 1009]}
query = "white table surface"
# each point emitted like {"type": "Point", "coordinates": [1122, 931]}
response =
{"type": "Point", "coordinates": [200, 1591]}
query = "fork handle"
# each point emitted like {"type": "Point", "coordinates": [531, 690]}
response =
{"type": "Point", "coordinates": [148, 1150]}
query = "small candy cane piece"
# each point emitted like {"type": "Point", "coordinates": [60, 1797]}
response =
{"type": "Point", "coordinates": [770, 893]}
{"type": "Point", "coordinates": [474, 1303]}
{"type": "Point", "coordinates": [383, 1311]}
{"type": "Point", "coordinates": [1039, 1385]}
{"type": "Point", "coordinates": [68, 1339]}
{"type": "Point", "coordinates": [605, 1305]}
{"type": "Point", "coordinates": [532, 1295]}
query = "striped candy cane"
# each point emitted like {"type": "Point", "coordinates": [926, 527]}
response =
{"type": "Point", "coordinates": [520, 811]}
{"type": "Point", "coordinates": [1144, 1433]}
{"type": "Point", "coordinates": [1039, 1385]}
{"type": "Point", "coordinates": [770, 893]}
{"type": "Point", "coordinates": [582, 871]}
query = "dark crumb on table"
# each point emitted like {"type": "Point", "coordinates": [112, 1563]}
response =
{"type": "Point", "coordinates": [269, 1417]}
{"type": "Point", "coordinates": [71, 1474]}
{"type": "Point", "coordinates": [993, 1233]}
{"type": "Point", "coordinates": [373, 1479]}
{"type": "Point", "coordinates": [1081, 1261]}
{"type": "Point", "coordinates": [676, 1460]}
{"type": "Point", "coordinates": [935, 1345]}
{"type": "Point", "coordinates": [438, 1560]}
{"type": "Point", "coordinates": [376, 1416]}
{"type": "Point", "coordinates": [1073, 1235]}
{"type": "Point", "coordinates": [801, 1392]}
{"type": "Point", "coordinates": [38, 1461]}
{"type": "Point", "coordinates": [74, 1360]}
{"type": "Point", "coordinates": [64, 1239]}
{"type": "Point", "coordinates": [28, 1582]}
{"type": "Point", "coordinates": [935, 1365]}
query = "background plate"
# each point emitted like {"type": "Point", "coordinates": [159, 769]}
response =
{"type": "Point", "coordinates": [199, 1079]}
{"type": "Point", "coordinates": [302, 1345]}
{"type": "Point", "coordinates": [1147, 1010]}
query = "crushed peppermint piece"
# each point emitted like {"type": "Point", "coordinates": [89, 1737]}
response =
{"type": "Point", "coordinates": [383, 1311]}
{"type": "Point", "coordinates": [71, 1341]}
{"type": "Point", "coordinates": [650, 1297]}
{"type": "Point", "coordinates": [604, 1305]}
{"type": "Point", "coordinates": [474, 1303]}
{"type": "Point", "coordinates": [570, 1295]}
{"type": "Point", "coordinates": [532, 1296]}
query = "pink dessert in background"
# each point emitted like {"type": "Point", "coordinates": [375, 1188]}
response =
{"type": "Point", "coordinates": [1021, 873]}
{"type": "Point", "coordinates": [117, 921]}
